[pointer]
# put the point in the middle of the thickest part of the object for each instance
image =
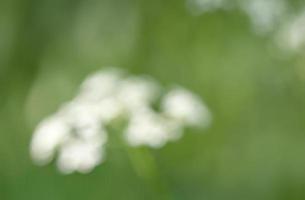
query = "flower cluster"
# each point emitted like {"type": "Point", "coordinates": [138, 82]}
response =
{"type": "Point", "coordinates": [77, 131]}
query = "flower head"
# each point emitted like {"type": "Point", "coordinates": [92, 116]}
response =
{"type": "Point", "coordinates": [77, 133]}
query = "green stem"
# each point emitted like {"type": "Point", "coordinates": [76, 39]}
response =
{"type": "Point", "coordinates": [144, 164]}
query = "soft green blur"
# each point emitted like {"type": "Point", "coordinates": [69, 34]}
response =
{"type": "Point", "coordinates": [254, 149]}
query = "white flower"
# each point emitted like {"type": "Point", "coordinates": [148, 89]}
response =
{"type": "Point", "coordinates": [78, 155]}
{"type": "Point", "coordinates": [264, 14]}
{"type": "Point", "coordinates": [181, 105]}
{"type": "Point", "coordinates": [49, 134]}
{"type": "Point", "coordinates": [292, 35]}
{"type": "Point", "coordinates": [147, 128]}
{"type": "Point", "coordinates": [109, 109]}
{"type": "Point", "coordinates": [81, 114]}
{"type": "Point", "coordinates": [77, 131]}
{"type": "Point", "coordinates": [100, 85]}
{"type": "Point", "coordinates": [197, 7]}
{"type": "Point", "coordinates": [137, 92]}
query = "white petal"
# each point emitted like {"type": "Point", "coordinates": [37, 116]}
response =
{"type": "Point", "coordinates": [180, 104]}
{"type": "Point", "coordinates": [147, 128]}
{"type": "Point", "coordinates": [136, 92]}
{"type": "Point", "coordinates": [47, 136]}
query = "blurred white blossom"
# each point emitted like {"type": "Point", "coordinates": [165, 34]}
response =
{"type": "Point", "coordinates": [292, 34]}
{"type": "Point", "coordinates": [50, 133]}
{"type": "Point", "coordinates": [264, 15]}
{"type": "Point", "coordinates": [100, 85]}
{"type": "Point", "coordinates": [183, 106]}
{"type": "Point", "coordinates": [136, 93]}
{"type": "Point", "coordinates": [80, 155]}
{"type": "Point", "coordinates": [197, 7]}
{"type": "Point", "coordinates": [147, 128]}
{"type": "Point", "coordinates": [274, 18]}
{"type": "Point", "coordinates": [76, 132]}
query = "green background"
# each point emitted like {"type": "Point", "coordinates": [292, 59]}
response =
{"type": "Point", "coordinates": [254, 148]}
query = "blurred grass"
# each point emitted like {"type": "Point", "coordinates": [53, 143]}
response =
{"type": "Point", "coordinates": [254, 148]}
